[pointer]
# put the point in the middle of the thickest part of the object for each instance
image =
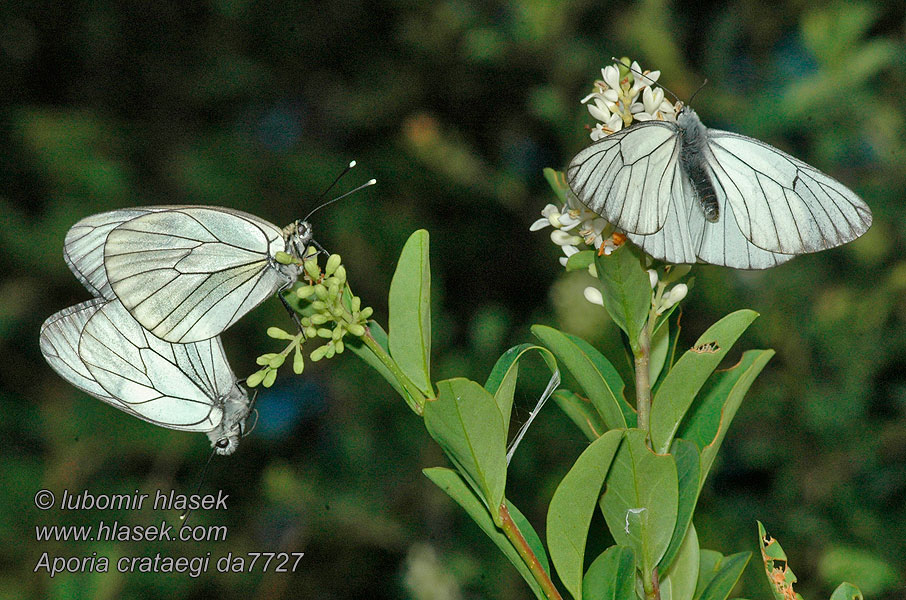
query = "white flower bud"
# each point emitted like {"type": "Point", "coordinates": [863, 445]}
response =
{"type": "Point", "coordinates": [652, 277]}
{"type": "Point", "coordinates": [593, 295]}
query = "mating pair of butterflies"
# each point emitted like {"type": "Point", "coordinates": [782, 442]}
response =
{"type": "Point", "coordinates": [167, 281]}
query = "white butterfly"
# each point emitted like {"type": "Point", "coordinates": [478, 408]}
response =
{"type": "Point", "coordinates": [686, 193]}
{"type": "Point", "coordinates": [185, 273]}
{"type": "Point", "coordinates": [99, 348]}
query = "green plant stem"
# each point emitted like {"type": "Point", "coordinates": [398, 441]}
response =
{"type": "Point", "coordinates": [414, 398]}
{"type": "Point", "coordinates": [642, 378]}
{"type": "Point", "coordinates": [528, 557]}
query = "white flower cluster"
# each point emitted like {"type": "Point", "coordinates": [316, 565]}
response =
{"type": "Point", "coordinates": [574, 225]}
{"type": "Point", "coordinates": [615, 101]}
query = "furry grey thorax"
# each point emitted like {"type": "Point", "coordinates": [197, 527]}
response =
{"type": "Point", "coordinates": [693, 161]}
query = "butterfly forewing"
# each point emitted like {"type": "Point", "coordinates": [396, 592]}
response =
{"type": "Point", "coordinates": [628, 177]}
{"type": "Point", "coordinates": [188, 273]}
{"type": "Point", "coordinates": [166, 384]}
{"type": "Point", "coordinates": [781, 203]}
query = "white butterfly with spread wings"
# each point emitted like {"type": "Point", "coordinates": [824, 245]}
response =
{"type": "Point", "coordinates": [185, 273]}
{"type": "Point", "coordinates": [685, 193]}
{"type": "Point", "coordinates": [99, 348]}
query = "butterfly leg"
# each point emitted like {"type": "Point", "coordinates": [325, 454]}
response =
{"type": "Point", "coordinates": [293, 314]}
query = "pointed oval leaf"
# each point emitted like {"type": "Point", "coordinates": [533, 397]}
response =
{"type": "Point", "coordinates": [598, 378]}
{"type": "Point", "coordinates": [410, 312]}
{"type": "Point", "coordinates": [688, 470]}
{"type": "Point", "coordinates": [712, 413]}
{"type": "Point", "coordinates": [572, 507]}
{"type": "Point", "coordinates": [677, 392]}
{"type": "Point", "coordinates": [728, 573]}
{"type": "Point", "coordinates": [640, 500]}
{"type": "Point", "coordinates": [626, 288]}
{"type": "Point", "coordinates": [678, 582]}
{"type": "Point", "coordinates": [502, 380]}
{"type": "Point", "coordinates": [611, 576]}
{"type": "Point", "coordinates": [465, 420]}
{"type": "Point", "coordinates": [581, 413]}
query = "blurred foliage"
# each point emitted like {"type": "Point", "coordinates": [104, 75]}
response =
{"type": "Point", "coordinates": [455, 106]}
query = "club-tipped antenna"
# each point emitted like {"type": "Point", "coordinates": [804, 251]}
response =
{"type": "Point", "coordinates": [368, 183]}
{"type": "Point", "coordinates": [651, 82]}
{"type": "Point", "coordinates": [184, 517]}
{"type": "Point", "coordinates": [348, 168]}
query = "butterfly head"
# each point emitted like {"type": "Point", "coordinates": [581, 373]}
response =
{"type": "Point", "coordinates": [298, 236]}
{"type": "Point", "coordinates": [236, 408]}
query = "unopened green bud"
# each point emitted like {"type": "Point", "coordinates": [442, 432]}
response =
{"type": "Point", "coordinates": [318, 353]}
{"type": "Point", "coordinates": [338, 332]}
{"type": "Point", "coordinates": [321, 291]}
{"type": "Point", "coordinates": [325, 333]}
{"type": "Point", "coordinates": [332, 263]}
{"type": "Point", "coordinates": [276, 361]}
{"type": "Point", "coordinates": [265, 358]}
{"type": "Point", "coordinates": [311, 331]}
{"type": "Point", "coordinates": [319, 305]}
{"type": "Point", "coordinates": [331, 350]}
{"type": "Point", "coordinates": [283, 258]}
{"type": "Point", "coordinates": [269, 379]}
{"type": "Point", "coordinates": [355, 304]}
{"type": "Point", "coordinates": [341, 274]}
{"type": "Point", "coordinates": [255, 378]}
{"type": "Point", "coordinates": [312, 269]}
{"type": "Point", "coordinates": [278, 334]}
{"type": "Point", "coordinates": [305, 291]}
{"type": "Point", "coordinates": [367, 312]}
{"type": "Point", "coordinates": [298, 361]}
{"type": "Point", "coordinates": [340, 346]}
{"type": "Point", "coordinates": [356, 329]}
{"type": "Point", "coordinates": [319, 319]}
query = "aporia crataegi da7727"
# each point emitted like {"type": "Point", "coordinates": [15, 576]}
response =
{"type": "Point", "coordinates": [185, 273]}
{"type": "Point", "coordinates": [99, 348]}
{"type": "Point", "coordinates": [686, 193]}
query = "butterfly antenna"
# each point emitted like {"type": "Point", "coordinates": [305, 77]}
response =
{"type": "Point", "coordinates": [704, 83]}
{"type": "Point", "coordinates": [350, 192]}
{"type": "Point", "coordinates": [184, 517]}
{"type": "Point", "coordinates": [640, 74]}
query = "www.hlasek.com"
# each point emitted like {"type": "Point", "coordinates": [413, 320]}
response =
{"type": "Point", "coordinates": [112, 530]}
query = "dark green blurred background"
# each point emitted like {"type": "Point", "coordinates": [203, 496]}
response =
{"type": "Point", "coordinates": [455, 107]}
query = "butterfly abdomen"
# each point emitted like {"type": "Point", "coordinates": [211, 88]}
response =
{"type": "Point", "coordinates": [693, 161]}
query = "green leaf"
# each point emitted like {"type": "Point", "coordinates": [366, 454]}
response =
{"type": "Point", "coordinates": [776, 566]}
{"type": "Point", "coordinates": [572, 507]}
{"type": "Point", "coordinates": [708, 566]}
{"type": "Point", "coordinates": [673, 340]}
{"type": "Point", "coordinates": [364, 352]}
{"type": "Point", "coordinates": [611, 576]}
{"type": "Point", "coordinates": [626, 289]}
{"type": "Point", "coordinates": [502, 380]}
{"type": "Point", "coordinates": [593, 371]}
{"type": "Point", "coordinates": [678, 582]}
{"type": "Point", "coordinates": [689, 374]}
{"type": "Point", "coordinates": [711, 415]}
{"type": "Point", "coordinates": [728, 572]}
{"type": "Point", "coordinates": [410, 312]}
{"type": "Point", "coordinates": [557, 181]}
{"type": "Point", "coordinates": [465, 420]}
{"type": "Point", "coordinates": [580, 260]}
{"type": "Point", "coordinates": [640, 499]}
{"type": "Point", "coordinates": [846, 591]}
{"type": "Point", "coordinates": [688, 470]}
{"type": "Point", "coordinates": [457, 488]}
{"type": "Point", "coordinates": [581, 412]}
